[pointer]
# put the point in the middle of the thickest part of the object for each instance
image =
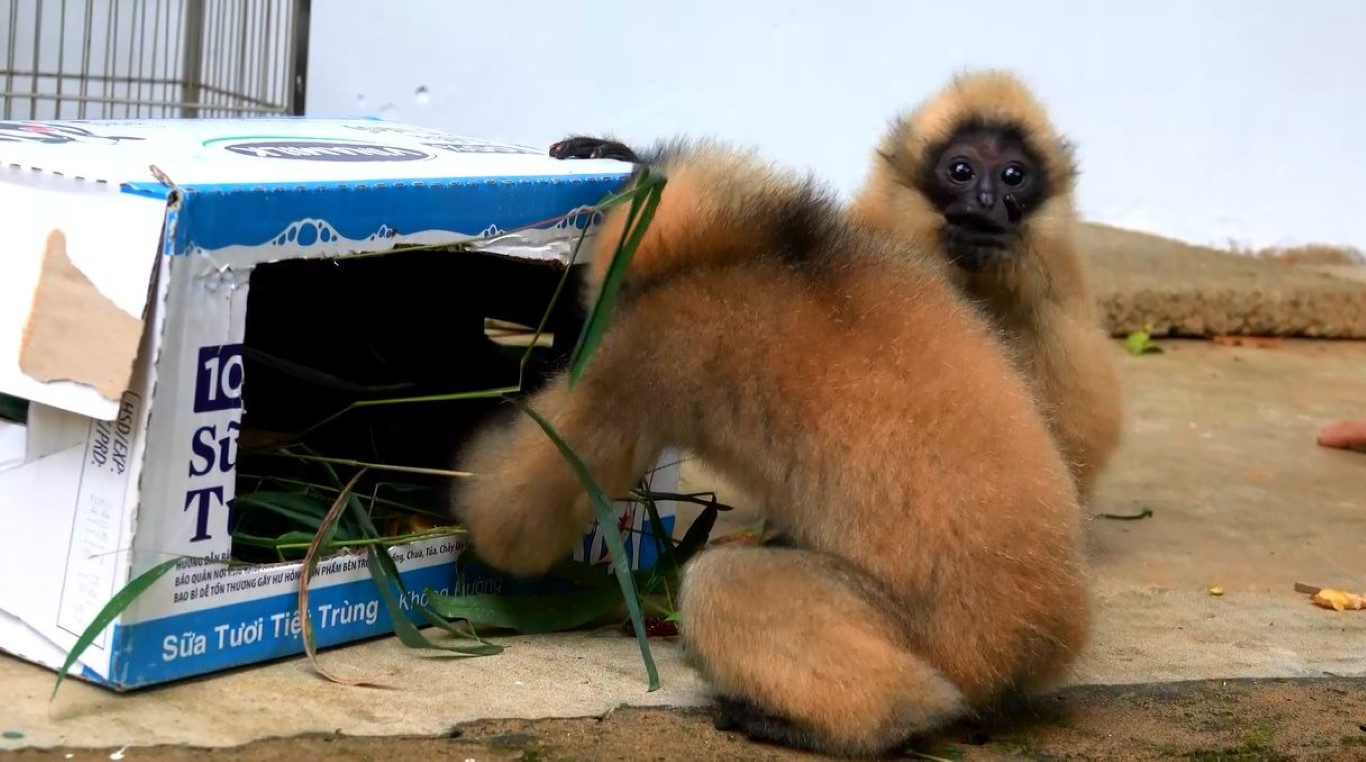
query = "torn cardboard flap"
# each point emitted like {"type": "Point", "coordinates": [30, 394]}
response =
{"type": "Point", "coordinates": [78, 261]}
{"type": "Point", "coordinates": [74, 332]}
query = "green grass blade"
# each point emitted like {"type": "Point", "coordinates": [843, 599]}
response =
{"type": "Point", "coordinates": [666, 563]}
{"type": "Point", "coordinates": [385, 573]}
{"type": "Point", "coordinates": [530, 614]}
{"type": "Point", "coordinates": [478, 394]}
{"type": "Point", "coordinates": [662, 540]}
{"type": "Point", "coordinates": [607, 520]}
{"type": "Point", "coordinates": [305, 373]}
{"type": "Point", "coordinates": [673, 557]}
{"type": "Point", "coordinates": [616, 271]}
{"type": "Point", "coordinates": [322, 539]}
{"type": "Point", "coordinates": [110, 612]}
{"type": "Point", "coordinates": [697, 535]}
{"type": "Point", "coordinates": [696, 498]}
{"type": "Point", "coordinates": [292, 538]}
{"type": "Point", "coordinates": [362, 517]}
{"type": "Point", "coordinates": [365, 465]}
{"type": "Point", "coordinates": [545, 316]}
{"type": "Point", "coordinates": [308, 511]}
{"type": "Point", "coordinates": [398, 487]}
{"type": "Point", "coordinates": [580, 573]}
{"type": "Point", "coordinates": [453, 396]}
{"type": "Point", "coordinates": [437, 621]}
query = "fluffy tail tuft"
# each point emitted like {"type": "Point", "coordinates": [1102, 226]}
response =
{"type": "Point", "coordinates": [720, 204]}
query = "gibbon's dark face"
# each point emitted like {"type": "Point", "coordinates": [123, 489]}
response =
{"type": "Point", "coordinates": [985, 181]}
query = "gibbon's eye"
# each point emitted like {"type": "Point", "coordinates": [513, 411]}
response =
{"type": "Point", "coordinates": [960, 171]}
{"type": "Point", "coordinates": [1013, 175]}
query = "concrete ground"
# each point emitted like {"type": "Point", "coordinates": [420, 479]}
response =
{"type": "Point", "coordinates": [1220, 448]}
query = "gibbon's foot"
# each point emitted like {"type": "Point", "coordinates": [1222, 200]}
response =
{"type": "Point", "coordinates": [592, 148]}
{"type": "Point", "coordinates": [759, 726]}
{"type": "Point", "coordinates": [1348, 434]}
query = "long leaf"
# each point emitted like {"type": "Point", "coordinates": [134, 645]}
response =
{"type": "Point", "coordinates": [366, 465]}
{"type": "Point", "coordinates": [545, 316]}
{"type": "Point", "coordinates": [305, 510]}
{"type": "Point", "coordinates": [305, 373]}
{"type": "Point", "coordinates": [321, 539]}
{"type": "Point", "coordinates": [385, 572]}
{"type": "Point", "coordinates": [437, 621]}
{"type": "Point", "coordinates": [530, 614]}
{"type": "Point", "coordinates": [291, 538]}
{"type": "Point", "coordinates": [697, 535]}
{"type": "Point", "coordinates": [593, 328]}
{"type": "Point", "coordinates": [110, 612]}
{"type": "Point", "coordinates": [665, 563]}
{"type": "Point", "coordinates": [607, 520]}
{"type": "Point", "coordinates": [580, 573]}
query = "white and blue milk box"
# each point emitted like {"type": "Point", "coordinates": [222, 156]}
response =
{"type": "Point", "coordinates": [129, 249]}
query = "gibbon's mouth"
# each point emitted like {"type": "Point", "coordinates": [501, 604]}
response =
{"type": "Point", "coordinates": [974, 251]}
{"type": "Point", "coordinates": [980, 259]}
{"type": "Point", "coordinates": [970, 222]}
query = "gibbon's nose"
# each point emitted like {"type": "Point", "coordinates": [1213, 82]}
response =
{"type": "Point", "coordinates": [990, 206]}
{"type": "Point", "coordinates": [986, 195]}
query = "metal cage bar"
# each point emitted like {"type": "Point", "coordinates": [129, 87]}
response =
{"type": "Point", "coordinates": [135, 59]}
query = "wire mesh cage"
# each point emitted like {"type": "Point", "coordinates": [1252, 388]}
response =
{"type": "Point", "coordinates": [138, 59]}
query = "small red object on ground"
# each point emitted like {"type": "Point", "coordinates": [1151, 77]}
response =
{"type": "Point", "coordinates": [655, 627]}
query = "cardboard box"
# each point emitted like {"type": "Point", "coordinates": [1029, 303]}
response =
{"type": "Point", "coordinates": [129, 250]}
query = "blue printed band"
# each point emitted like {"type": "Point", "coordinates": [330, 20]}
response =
{"type": "Point", "coordinates": [200, 642]}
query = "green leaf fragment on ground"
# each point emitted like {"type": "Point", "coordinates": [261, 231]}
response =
{"type": "Point", "coordinates": [1141, 342]}
{"type": "Point", "coordinates": [529, 614]}
{"type": "Point", "coordinates": [385, 573]}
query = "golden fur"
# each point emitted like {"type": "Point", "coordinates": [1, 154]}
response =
{"type": "Point", "coordinates": [934, 562]}
{"type": "Point", "coordinates": [1041, 298]}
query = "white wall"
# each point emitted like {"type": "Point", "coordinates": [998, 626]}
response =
{"type": "Point", "coordinates": [1207, 121]}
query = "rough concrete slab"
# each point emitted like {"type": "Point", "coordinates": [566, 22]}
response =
{"type": "Point", "coordinates": [569, 675]}
{"type": "Point", "coordinates": [1220, 446]}
{"type": "Point", "coordinates": [1185, 290]}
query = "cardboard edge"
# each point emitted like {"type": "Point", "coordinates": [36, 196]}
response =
{"type": "Point", "coordinates": [155, 320]}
